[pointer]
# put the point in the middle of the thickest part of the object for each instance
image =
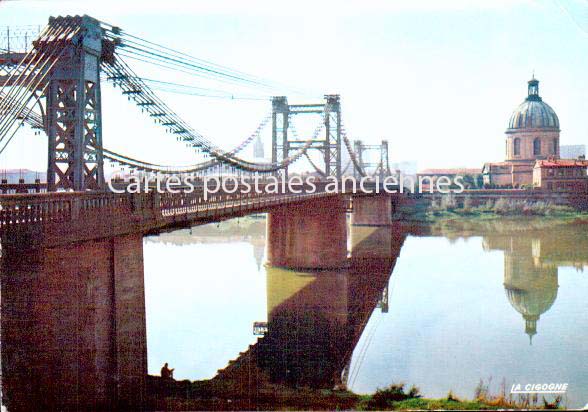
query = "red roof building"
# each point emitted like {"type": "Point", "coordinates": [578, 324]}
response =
{"type": "Point", "coordinates": [561, 175]}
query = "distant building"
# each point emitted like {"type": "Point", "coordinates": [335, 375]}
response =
{"type": "Point", "coordinates": [561, 175]}
{"type": "Point", "coordinates": [258, 151]}
{"type": "Point", "coordinates": [572, 151]}
{"type": "Point", "coordinates": [503, 174]}
{"type": "Point", "coordinates": [406, 167]}
{"type": "Point", "coordinates": [532, 134]}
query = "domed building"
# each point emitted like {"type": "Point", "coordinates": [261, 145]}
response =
{"type": "Point", "coordinates": [533, 130]}
{"type": "Point", "coordinates": [532, 134]}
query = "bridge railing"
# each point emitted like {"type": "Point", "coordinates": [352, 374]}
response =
{"type": "Point", "coordinates": [43, 208]}
{"type": "Point", "coordinates": [170, 204]}
{"type": "Point", "coordinates": [26, 209]}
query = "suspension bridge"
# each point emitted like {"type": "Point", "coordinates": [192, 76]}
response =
{"type": "Point", "coordinates": [73, 307]}
{"type": "Point", "coordinates": [55, 86]}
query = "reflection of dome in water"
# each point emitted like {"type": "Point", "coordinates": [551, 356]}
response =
{"type": "Point", "coordinates": [530, 289]}
{"type": "Point", "coordinates": [531, 303]}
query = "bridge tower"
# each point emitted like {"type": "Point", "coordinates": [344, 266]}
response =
{"type": "Point", "coordinates": [280, 124]}
{"type": "Point", "coordinates": [73, 110]}
{"type": "Point", "coordinates": [329, 144]}
{"type": "Point", "coordinates": [381, 166]}
{"type": "Point", "coordinates": [384, 160]}
{"type": "Point", "coordinates": [333, 136]}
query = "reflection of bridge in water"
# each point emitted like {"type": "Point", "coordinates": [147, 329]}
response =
{"type": "Point", "coordinates": [253, 232]}
{"type": "Point", "coordinates": [310, 338]}
{"type": "Point", "coordinates": [315, 319]}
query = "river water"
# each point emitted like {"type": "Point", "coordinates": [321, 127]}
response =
{"type": "Point", "coordinates": [502, 302]}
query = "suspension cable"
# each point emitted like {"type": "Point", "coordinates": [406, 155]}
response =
{"type": "Point", "coordinates": [32, 83]}
{"type": "Point", "coordinates": [141, 93]}
{"type": "Point", "coordinates": [134, 43]}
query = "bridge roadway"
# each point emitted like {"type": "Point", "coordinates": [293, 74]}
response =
{"type": "Point", "coordinates": [54, 219]}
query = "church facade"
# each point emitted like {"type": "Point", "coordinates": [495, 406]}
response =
{"type": "Point", "coordinates": [532, 135]}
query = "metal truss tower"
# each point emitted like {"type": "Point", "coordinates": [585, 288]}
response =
{"type": "Point", "coordinates": [384, 160]}
{"type": "Point", "coordinates": [280, 125]}
{"type": "Point", "coordinates": [380, 167]}
{"type": "Point", "coordinates": [329, 144]}
{"type": "Point", "coordinates": [73, 111]}
{"type": "Point", "coordinates": [357, 148]}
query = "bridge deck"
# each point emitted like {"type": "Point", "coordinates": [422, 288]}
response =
{"type": "Point", "coordinates": [52, 219]}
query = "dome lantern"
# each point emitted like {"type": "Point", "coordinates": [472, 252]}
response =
{"type": "Point", "coordinates": [533, 90]}
{"type": "Point", "coordinates": [533, 113]}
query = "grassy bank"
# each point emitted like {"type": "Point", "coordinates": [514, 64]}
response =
{"type": "Point", "coordinates": [213, 395]}
{"type": "Point", "coordinates": [448, 208]}
{"type": "Point", "coordinates": [396, 397]}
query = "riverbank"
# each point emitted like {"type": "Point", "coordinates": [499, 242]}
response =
{"type": "Point", "coordinates": [214, 395]}
{"type": "Point", "coordinates": [447, 208]}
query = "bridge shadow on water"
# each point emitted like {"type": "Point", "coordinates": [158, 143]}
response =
{"type": "Point", "coordinates": [315, 321]}
{"type": "Point", "coordinates": [316, 318]}
{"type": "Point", "coordinates": [73, 315]}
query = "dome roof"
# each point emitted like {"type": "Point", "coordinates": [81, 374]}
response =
{"type": "Point", "coordinates": [534, 113]}
{"type": "Point", "coordinates": [531, 302]}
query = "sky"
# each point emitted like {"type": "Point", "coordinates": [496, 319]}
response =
{"type": "Point", "coordinates": [439, 80]}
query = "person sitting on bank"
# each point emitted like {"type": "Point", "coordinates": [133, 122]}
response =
{"type": "Point", "coordinates": [166, 372]}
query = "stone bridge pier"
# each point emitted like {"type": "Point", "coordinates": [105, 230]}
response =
{"type": "Point", "coordinates": [309, 235]}
{"type": "Point", "coordinates": [73, 325]}
{"type": "Point", "coordinates": [376, 210]}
